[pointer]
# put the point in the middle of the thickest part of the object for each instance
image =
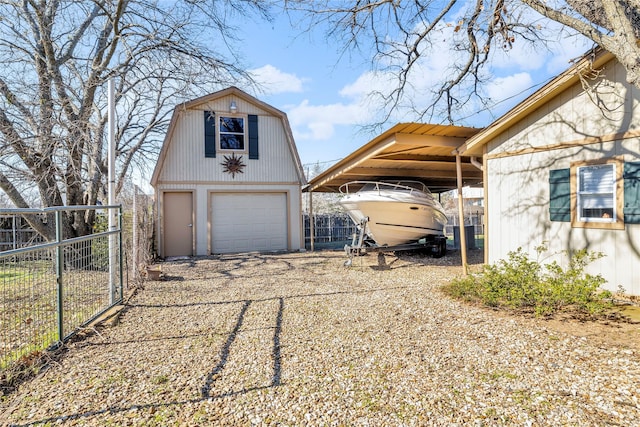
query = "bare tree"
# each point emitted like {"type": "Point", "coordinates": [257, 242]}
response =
{"type": "Point", "coordinates": [56, 57]}
{"type": "Point", "coordinates": [323, 203]}
{"type": "Point", "coordinates": [614, 25]}
{"type": "Point", "coordinates": [398, 35]}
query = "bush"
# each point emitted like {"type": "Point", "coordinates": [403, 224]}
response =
{"type": "Point", "coordinates": [522, 283]}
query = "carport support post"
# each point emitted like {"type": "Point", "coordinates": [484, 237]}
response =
{"type": "Point", "coordinates": [463, 236]}
{"type": "Point", "coordinates": [311, 225]}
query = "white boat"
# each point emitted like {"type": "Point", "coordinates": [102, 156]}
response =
{"type": "Point", "coordinates": [398, 213]}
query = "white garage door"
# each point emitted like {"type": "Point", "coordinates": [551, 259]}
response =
{"type": "Point", "coordinates": [248, 222]}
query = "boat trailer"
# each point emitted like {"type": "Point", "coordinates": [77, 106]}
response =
{"type": "Point", "coordinates": [360, 244]}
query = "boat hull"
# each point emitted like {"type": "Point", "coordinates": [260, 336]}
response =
{"type": "Point", "coordinates": [393, 221]}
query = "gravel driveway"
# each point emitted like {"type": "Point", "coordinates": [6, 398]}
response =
{"type": "Point", "coordinates": [298, 339]}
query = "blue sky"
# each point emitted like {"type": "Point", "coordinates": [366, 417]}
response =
{"type": "Point", "coordinates": [323, 92]}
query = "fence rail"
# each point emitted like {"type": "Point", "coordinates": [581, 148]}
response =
{"type": "Point", "coordinates": [14, 239]}
{"type": "Point", "coordinates": [332, 230]}
{"type": "Point", "coordinates": [329, 228]}
{"type": "Point", "coordinates": [49, 290]}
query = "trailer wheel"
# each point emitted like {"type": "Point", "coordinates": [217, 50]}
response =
{"type": "Point", "coordinates": [441, 249]}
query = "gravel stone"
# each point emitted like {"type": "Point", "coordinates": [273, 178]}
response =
{"type": "Point", "coordinates": [298, 339]}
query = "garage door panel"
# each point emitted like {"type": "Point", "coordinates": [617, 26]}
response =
{"type": "Point", "coordinates": [261, 244]}
{"type": "Point", "coordinates": [248, 222]}
{"type": "Point", "coordinates": [258, 229]}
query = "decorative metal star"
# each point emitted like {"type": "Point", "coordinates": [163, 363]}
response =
{"type": "Point", "coordinates": [233, 165]}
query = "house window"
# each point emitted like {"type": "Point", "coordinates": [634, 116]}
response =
{"type": "Point", "coordinates": [232, 133]}
{"type": "Point", "coordinates": [604, 194]}
{"type": "Point", "coordinates": [596, 196]}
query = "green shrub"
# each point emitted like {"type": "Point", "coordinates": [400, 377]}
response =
{"type": "Point", "coordinates": [525, 284]}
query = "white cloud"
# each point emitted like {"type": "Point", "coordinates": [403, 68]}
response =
{"type": "Point", "coordinates": [367, 83]}
{"type": "Point", "coordinates": [318, 122]}
{"type": "Point", "coordinates": [274, 81]}
{"type": "Point", "coordinates": [361, 106]}
{"type": "Point", "coordinates": [521, 56]}
{"type": "Point", "coordinates": [567, 49]}
{"type": "Point", "coordinates": [505, 87]}
{"type": "Point", "coordinates": [550, 54]}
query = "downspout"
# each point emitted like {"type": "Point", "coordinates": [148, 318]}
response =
{"type": "Point", "coordinates": [476, 163]}
{"type": "Point", "coordinates": [485, 187]}
{"type": "Point", "coordinates": [311, 223]}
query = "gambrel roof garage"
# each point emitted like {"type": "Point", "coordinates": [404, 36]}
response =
{"type": "Point", "coordinates": [228, 178]}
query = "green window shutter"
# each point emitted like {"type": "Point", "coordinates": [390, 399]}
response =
{"type": "Point", "coordinates": [631, 192]}
{"type": "Point", "coordinates": [253, 136]}
{"type": "Point", "coordinates": [560, 195]}
{"type": "Point", "coordinates": [209, 134]}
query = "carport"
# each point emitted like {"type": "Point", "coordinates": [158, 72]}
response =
{"type": "Point", "coordinates": [417, 151]}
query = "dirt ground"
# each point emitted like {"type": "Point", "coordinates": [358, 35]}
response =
{"type": "Point", "coordinates": [622, 333]}
{"type": "Point", "coordinates": [620, 328]}
{"type": "Point", "coordinates": [299, 339]}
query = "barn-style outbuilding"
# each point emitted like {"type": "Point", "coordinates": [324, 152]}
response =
{"type": "Point", "coordinates": [228, 178]}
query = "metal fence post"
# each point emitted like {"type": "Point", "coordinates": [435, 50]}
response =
{"type": "Point", "coordinates": [134, 235]}
{"type": "Point", "coordinates": [59, 271]}
{"type": "Point", "coordinates": [120, 255]}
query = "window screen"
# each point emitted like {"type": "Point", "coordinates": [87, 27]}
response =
{"type": "Point", "coordinates": [597, 192]}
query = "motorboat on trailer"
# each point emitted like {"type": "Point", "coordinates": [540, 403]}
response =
{"type": "Point", "coordinates": [395, 213]}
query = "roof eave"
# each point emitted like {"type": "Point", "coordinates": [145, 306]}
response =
{"type": "Point", "coordinates": [401, 133]}
{"type": "Point", "coordinates": [474, 145]}
{"type": "Point", "coordinates": [353, 159]}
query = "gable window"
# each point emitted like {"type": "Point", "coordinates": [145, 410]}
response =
{"type": "Point", "coordinates": [232, 133]}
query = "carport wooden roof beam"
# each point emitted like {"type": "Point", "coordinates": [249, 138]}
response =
{"type": "Point", "coordinates": [422, 152]}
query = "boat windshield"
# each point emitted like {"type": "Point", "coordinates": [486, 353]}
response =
{"type": "Point", "coordinates": [408, 186]}
{"type": "Point", "coordinates": [370, 186]}
{"type": "Point", "coordinates": [404, 186]}
{"type": "Point", "coordinates": [414, 185]}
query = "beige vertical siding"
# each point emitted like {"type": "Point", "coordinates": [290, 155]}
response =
{"type": "Point", "coordinates": [576, 114]}
{"type": "Point", "coordinates": [222, 105]}
{"type": "Point", "coordinates": [518, 176]}
{"type": "Point", "coordinates": [185, 160]}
